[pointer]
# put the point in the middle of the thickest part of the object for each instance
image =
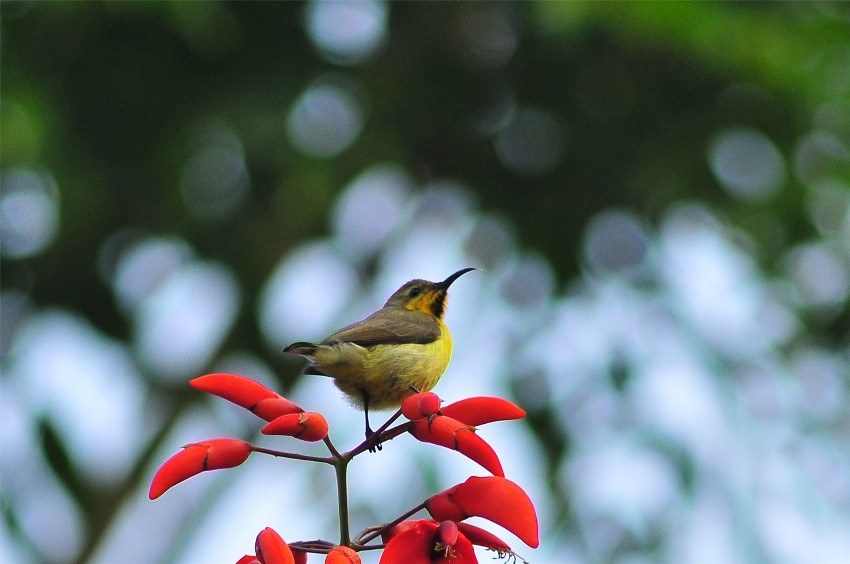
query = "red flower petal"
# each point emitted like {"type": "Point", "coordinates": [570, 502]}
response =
{"type": "Point", "coordinates": [342, 555]}
{"type": "Point", "coordinates": [448, 432]}
{"type": "Point", "coordinates": [480, 410]}
{"type": "Point", "coordinates": [248, 559]}
{"type": "Point", "coordinates": [476, 448]}
{"type": "Point", "coordinates": [411, 546]}
{"type": "Point", "coordinates": [479, 536]}
{"type": "Point", "coordinates": [496, 499]}
{"type": "Point", "coordinates": [247, 393]}
{"type": "Point", "coordinates": [195, 458]}
{"type": "Point", "coordinates": [271, 548]}
{"type": "Point", "coordinates": [238, 389]}
{"type": "Point", "coordinates": [423, 404]}
{"type": "Point", "coordinates": [398, 528]}
{"type": "Point", "coordinates": [307, 426]}
{"type": "Point", "coordinates": [224, 453]}
{"type": "Point", "coordinates": [272, 408]}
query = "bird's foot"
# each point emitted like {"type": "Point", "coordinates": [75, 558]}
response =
{"type": "Point", "coordinates": [375, 447]}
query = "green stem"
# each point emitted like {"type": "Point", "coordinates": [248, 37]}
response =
{"type": "Point", "coordinates": [340, 463]}
{"type": "Point", "coordinates": [332, 449]}
{"type": "Point", "coordinates": [341, 466]}
{"type": "Point", "coordinates": [292, 455]}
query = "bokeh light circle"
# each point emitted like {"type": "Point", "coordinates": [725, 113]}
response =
{"type": "Point", "coordinates": [370, 208]}
{"type": "Point", "coordinates": [29, 213]}
{"type": "Point", "coordinates": [747, 164]}
{"type": "Point", "coordinates": [532, 144]}
{"type": "Point", "coordinates": [615, 242]}
{"type": "Point", "coordinates": [214, 182]}
{"type": "Point", "coordinates": [325, 120]}
{"type": "Point", "coordinates": [347, 32]}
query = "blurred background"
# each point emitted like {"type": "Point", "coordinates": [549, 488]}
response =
{"type": "Point", "coordinates": [659, 194]}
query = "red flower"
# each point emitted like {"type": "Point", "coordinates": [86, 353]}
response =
{"type": "Point", "coordinates": [342, 555]}
{"type": "Point", "coordinates": [247, 393]}
{"type": "Point", "coordinates": [480, 410]}
{"type": "Point", "coordinates": [212, 454]}
{"type": "Point", "coordinates": [271, 548]}
{"type": "Point", "coordinates": [307, 426]}
{"type": "Point", "coordinates": [493, 498]}
{"type": "Point", "coordinates": [450, 433]}
{"type": "Point", "coordinates": [472, 411]}
{"type": "Point", "coordinates": [426, 542]}
{"type": "Point", "coordinates": [248, 559]}
{"type": "Point", "coordinates": [475, 535]}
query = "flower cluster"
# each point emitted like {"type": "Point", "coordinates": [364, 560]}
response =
{"type": "Point", "coordinates": [444, 538]}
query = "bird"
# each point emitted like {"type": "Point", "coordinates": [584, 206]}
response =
{"type": "Point", "coordinates": [401, 349]}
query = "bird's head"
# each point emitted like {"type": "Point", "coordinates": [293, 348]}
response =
{"type": "Point", "coordinates": [425, 296]}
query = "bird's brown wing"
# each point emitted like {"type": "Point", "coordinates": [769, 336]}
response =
{"type": "Point", "coordinates": [387, 327]}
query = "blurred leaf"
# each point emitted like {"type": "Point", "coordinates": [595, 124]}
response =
{"type": "Point", "coordinates": [59, 459]}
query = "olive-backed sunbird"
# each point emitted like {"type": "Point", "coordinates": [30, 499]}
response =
{"type": "Point", "coordinates": [401, 349]}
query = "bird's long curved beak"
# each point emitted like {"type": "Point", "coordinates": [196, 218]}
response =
{"type": "Point", "coordinates": [448, 281]}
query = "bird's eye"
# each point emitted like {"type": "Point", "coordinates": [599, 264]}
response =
{"type": "Point", "coordinates": [415, 291]}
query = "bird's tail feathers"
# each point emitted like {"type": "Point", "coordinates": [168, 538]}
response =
{"type": "Point", "coordinates": [301, 348]}
{"type": "Point", "coordinates": [307, 350]}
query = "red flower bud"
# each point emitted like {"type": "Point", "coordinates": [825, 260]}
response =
{"type": "Point", "coordinates": [450, 433]}
{"type": "Point", "coordinates": [447, 533]}
{"type": "Point", "coordinates": [271, 548]}
{"type": "Point", "coordinates": [480, 410]}
{"type": "Point", "coordinates": [494, 498]}
{"type": "Point", "coordinates": [212, 454]}
{"type": "Point", "coordinates": [342, 555]}
{"type": "Point", "coordinates": [418, 406]}
{"type": "Point", "coordinates": [307, 426]}
{"type": "Point", "coordinates": [246, 393]}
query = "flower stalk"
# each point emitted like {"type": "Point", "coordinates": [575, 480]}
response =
{"type": "Point", "coordinates": [341, 468]}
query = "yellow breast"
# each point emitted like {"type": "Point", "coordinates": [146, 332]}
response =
{"type": "Point", "coordinates": [388, 373]}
